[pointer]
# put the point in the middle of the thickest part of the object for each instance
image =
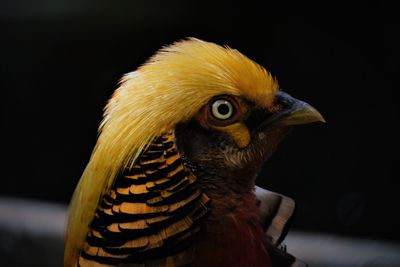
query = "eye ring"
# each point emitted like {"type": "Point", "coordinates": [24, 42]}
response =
{"type": "Point", "coordinates": [222, 109]}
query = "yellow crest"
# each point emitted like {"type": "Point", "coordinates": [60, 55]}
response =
{"type": "Point", "coordinates": [170, 88]}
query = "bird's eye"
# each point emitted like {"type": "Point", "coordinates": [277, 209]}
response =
{"type": "Point", "coordinates": [222, 109]}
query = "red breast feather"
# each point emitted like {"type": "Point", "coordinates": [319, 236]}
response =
{"type": "Point", "coordinates": [235, 239]}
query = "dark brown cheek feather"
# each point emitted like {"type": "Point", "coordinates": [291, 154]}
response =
{"type": "Point", "coordinates": [224, 170]}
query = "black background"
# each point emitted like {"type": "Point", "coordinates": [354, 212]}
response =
{"type": "Point", "coordinates": [61, 60]}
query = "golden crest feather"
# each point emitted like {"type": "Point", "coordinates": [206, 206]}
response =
{"type": "Point", "coordinates": [170, 88]}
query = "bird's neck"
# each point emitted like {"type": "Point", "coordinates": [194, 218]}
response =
{"type": "Point", "coordinates": [232, 234]}
{"type": "Point", "coordinates": [228, 201]}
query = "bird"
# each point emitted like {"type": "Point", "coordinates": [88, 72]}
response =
{"type": "Point", "coordinates": [171, 179]}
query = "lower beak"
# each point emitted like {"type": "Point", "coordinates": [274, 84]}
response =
{"type": "Point", "coordinates": [295, 112]}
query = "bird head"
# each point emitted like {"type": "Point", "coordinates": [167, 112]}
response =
{"type": "Point", "coordinates": [230, 138]}
{"type": "Point", "coordinates": [226, 112]}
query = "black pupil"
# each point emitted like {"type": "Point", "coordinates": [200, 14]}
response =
{"type": "Point", "coordinates": [223, 109]}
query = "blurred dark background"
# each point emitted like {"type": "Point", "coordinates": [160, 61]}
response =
{"type": "Point", "coordinates": [61, 60]}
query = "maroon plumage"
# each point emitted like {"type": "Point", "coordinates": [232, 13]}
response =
{"type": "Point", "coordinates": [237, 238]}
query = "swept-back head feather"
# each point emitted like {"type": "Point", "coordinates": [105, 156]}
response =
{"type": "Point", "coordinates": [170, 88]}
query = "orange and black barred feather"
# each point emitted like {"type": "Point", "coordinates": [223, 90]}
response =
{"type": "Point", "coordinates": [151, 212]}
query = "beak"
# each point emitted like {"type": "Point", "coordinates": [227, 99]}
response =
{"type": "Point", "coordinates": [295, 112]}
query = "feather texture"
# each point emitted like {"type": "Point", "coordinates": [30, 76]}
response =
{"type": "Point", "coordinates": [151, 212]}
{"type": "Point", "coordinates": [237, 238]}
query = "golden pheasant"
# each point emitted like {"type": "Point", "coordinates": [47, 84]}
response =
{"type": "Point", "coordinates": [171, 180]}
